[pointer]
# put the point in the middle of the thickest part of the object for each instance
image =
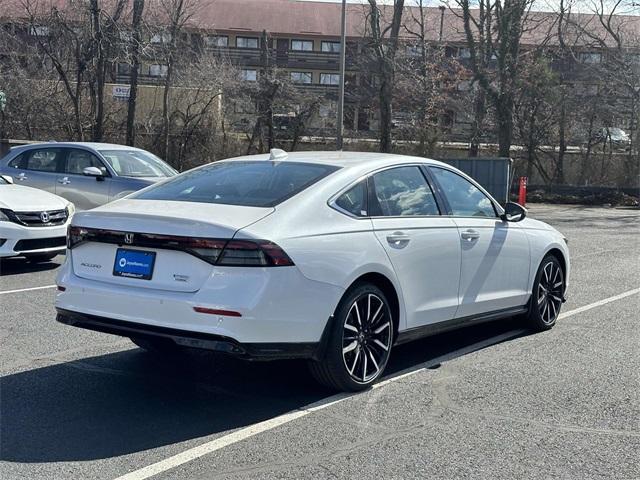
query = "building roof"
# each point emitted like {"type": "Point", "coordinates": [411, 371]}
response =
{"type": "Point", "coordinates": [310, 18]}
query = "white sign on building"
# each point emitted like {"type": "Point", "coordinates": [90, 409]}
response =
{"type": "Point", "coordinates": [121, 92]}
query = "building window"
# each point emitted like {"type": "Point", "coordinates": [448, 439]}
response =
{"type": "Point", "coordinates": [590, 57]}
{"type": "Point", "coordinates": [124, 69]}
{"type": "Point", "coordinates": [414, 50]}
{"type": "Point", "coordinates": [246, 42]}
{"type": "Point", "coordinates": [330, 47]}
{"type": "Point", "coordinates": [330, 79]}
{"type": "Point", "coordinates": [587, 89]}
{"type": "Point", "coordinates": [464, 86]}
{"type": "Point", "coordinates": [248, 75]}
{"type": "Point", "coordinates": [464, 53]}
{"type": "Point", "coordinates": [216, 41]}
{"type": "Point", "coordinates": [161, 37]}
{"type": "Point", "coordinates": [302, 77]}
{"type": "Point", "coordinates": [158, 70]}
{"type": "Point", "coordinates": [302, 45]}
{"type": "Point", "coordinates": [39, 31]}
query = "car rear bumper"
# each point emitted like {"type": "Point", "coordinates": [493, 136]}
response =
{"type": "Point", "coordinates": [264, 306]}
{"type": "Point", "coordinates": [206, 341]}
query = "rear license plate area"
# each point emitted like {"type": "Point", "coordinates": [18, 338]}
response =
{"type": "Point", "coordinates": [134, 264]}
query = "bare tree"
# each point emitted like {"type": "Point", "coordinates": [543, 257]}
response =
{"type": "Point", "coordinates": [383, 38]}
{"type": "Point", "coordinates": [494, 31]}
{"type": "Point", "coordinates": [425, 79]}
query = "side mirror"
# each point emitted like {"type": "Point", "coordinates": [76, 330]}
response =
{"type": "Point", "coordinates": [514, 212]}
{"type": "Point", "coordinates": [8, 178]}
{"type": "Point", "coordinates": [93, 172]}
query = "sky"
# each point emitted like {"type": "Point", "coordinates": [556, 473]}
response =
{"type": "Point", "coordinates": [627, 7]}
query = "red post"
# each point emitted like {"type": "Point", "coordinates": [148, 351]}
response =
{"type": "Point", "coordinates": [522, 192]}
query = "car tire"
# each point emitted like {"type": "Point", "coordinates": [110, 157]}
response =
{"type": "Point", "coordinates": [157, 346]}
{"type": "Point", "coordinates": [547, 295]}
{"type": "Point", "coordinates": [359, 343]}
{"type": "Point", "coordinates": [41, 258]}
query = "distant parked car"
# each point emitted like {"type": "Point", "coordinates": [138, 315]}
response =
{"type": "Point", "coordinates": [87, 174]}
{"type": "Point", "coordinates": [615, 137]}
{"type": "Point", "coordinates": [33, 223]}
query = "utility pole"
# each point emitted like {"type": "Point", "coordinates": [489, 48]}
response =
{"type": "Point", "coordinates": [343, 48]}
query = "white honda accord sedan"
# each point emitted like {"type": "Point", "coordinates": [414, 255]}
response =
{"type": "Point", "coordinates": [33, 223]}
{"type": "Point", "coordinates": [331, 257]}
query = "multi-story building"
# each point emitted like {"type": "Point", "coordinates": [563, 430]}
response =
{"type": "Point", "coordinates": [303, 42]}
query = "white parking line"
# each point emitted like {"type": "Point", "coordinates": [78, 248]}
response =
{"type": "Point", "coordinates": [255, 429]}
{"type": "Point", "coordinates": [599, 303]}
{"type": "Point", "coordinates": [26, 289]}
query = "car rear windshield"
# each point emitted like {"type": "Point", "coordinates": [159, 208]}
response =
{"type": "Point", "coordinates": [137, 163]}
{"type": "Point", "coordinates": [251, 183]}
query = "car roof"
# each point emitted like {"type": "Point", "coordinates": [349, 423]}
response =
{"type": "Point", "coordinates": [344, 159]}
{"type": "Point", "coordinates": [91, 145]}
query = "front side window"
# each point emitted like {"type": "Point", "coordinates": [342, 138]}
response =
{"type": "Point", "coordinates": [246, 42]}
{"type": "Point", "coordinates": [330, 47]}
{"type": "Point", "coordinates": [354, 200]}
{"type": "Point", "coordinates": [250, 183]}
{"type": "Point", "coordinates": [465, 199]}
{"type": "Point", "coordinates": [403, 191]}
{"type": "Point", "coordinates": [301, 77]}
{"type": "Point", "coordinates": [136, 163]}
{"type": "Point", "coordinates": [78, 160]}
{"type": "Point", "coordinates": [302, 45]}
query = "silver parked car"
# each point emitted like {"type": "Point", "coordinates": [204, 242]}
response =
{"type": "Point", "coordinates": [87, 174]}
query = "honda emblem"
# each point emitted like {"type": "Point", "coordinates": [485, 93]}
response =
{"type": "Point", "coordinates": [44, 217]}
{"type": "Point", "coordinates": [128, 238]}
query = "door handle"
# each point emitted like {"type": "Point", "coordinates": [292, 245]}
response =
{"type": "Point", "coordinates": [21, 177]}
{"type": "Point", "coordinates": [470, 235]}
{"type": "Point", "coordinates": [64, 181]}
{"type": "Point", "coordinates": [397, 239]}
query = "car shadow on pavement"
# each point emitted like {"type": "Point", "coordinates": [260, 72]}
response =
{"type": "Point", "coordinates": [130, 401]}
{"type": "Point", "coordinates": [13, 266]}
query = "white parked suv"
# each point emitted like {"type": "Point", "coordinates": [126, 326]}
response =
{"type": "Point", "coordinates": [33, 223]}
{"type": "Point", "coordinates": [333, 257]}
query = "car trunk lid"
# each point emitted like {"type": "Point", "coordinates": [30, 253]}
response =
{"type": "Point", "coordinates": [156, 244]}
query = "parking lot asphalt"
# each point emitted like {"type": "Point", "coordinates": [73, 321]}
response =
{"type": "Point", "coordinates": [493, 401]}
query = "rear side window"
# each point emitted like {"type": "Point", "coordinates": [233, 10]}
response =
{"type": "Point", "coordinates": [42, 160]}
{"type": "Point", "coordinates": [403, 191]}
{"type": "Point", "coordinates": [252, 184]}
{"type": "Point", "coordinates": [465, 199]}
{"type": "Point", "coordinates": [354, 200]}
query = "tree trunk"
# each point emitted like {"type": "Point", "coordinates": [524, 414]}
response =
{"type": "Point", "coordinates": [138, 8]}
{"type": "Point", "coordinates": [98, 125]}
{"type": "Point", "coordinates": [504, 110]}
{"type": "Point", "coordinates": [562, 143]}
{"type": "Point", "coordinates": [479, 111]}
{"type": "Point", "coordinates": [385, 116]}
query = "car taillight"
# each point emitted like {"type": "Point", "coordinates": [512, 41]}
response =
{"type": "Point", "coordinates": [216, 251]}
{"type": "Point", "coordinates": [75, 235]}
{"type": "Point", "coordinates": [253, 253]}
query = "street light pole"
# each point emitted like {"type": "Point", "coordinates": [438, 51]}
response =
{"type": "Point", "coordinates": [343, 48]}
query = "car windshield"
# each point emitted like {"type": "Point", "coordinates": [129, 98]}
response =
{"type": "Point", "coordinates": [137, 163]}
{"type": "Point", "coordinates": [251, 183]}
